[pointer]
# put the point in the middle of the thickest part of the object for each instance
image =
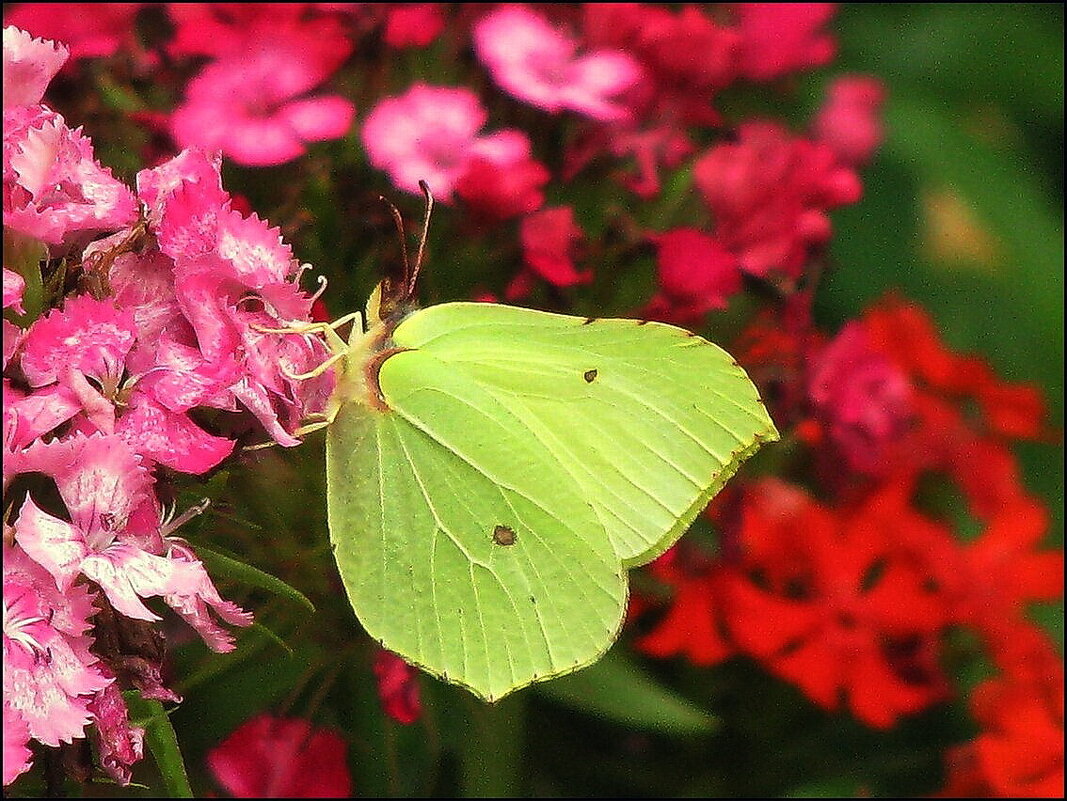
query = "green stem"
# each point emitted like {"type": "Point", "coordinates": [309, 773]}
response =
{"type": "Point", "coordinates": [493, 747]}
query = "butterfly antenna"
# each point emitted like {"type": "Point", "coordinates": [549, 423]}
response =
{"type": "Point", "coordinates": [398, 221]}
{"type": "Point", "coordinates": [425, 187]}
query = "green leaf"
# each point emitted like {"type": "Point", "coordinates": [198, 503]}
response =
{"type": "Point", "coordinates": [161, 741]}
{"type": "Point", "coordinates": [492, 472]}
{"type": "Point", "coordinates": [617, 689]}
{"type": "Point", "coordinates": [225, 566]}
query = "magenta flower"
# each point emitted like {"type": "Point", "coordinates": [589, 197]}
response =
{"type": "Point", "coordinates": [863, 400]}
{"type": "Point", "coordinates": [430, 133]}
{"type": "Point", "coordinates": [270, 757]}
{"type": "Point", "coordinates": [769, 193]}
{"type": "Point", "coordinates": [88, 29]}
{"type": "Point", "coordinates": [778, 38]}
{"type": "Point", "coordinates": [252, 103]}
{"type": "Point", "coordinates": [225, 29]}
{"type": "Point", "coordinates": [83, 351]}
{"type": "Point", "coordinates": [539, 65]}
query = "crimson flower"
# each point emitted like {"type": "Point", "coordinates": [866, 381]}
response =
{"type": "Point", "coordinates": [270, 757]}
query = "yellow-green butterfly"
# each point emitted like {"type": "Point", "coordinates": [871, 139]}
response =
{"type": "Point", "coordinates": [493, 472]}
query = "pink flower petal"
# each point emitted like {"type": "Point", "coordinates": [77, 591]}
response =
{"type": "Point", "coordinates": [89, 335]}
{"type": "Point", "coordinates": [16, 738]}
{"type": "Point", "coordinates": [118, 744]}
{"type": "Point", "coordinates": [29, 66]}
{"type": "Point", "coordinates": [126, 574]}
{"type": "Point", "coordinates": [49, 671]}
{"type": "Point", "coordinates": [317, 119]}
{"type": "Point", "coordinates": [52, 543]}
{"type": "Point", "coordinates": [170, 438]}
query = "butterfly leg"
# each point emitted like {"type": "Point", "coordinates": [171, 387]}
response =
{"type": "Point", "coordinates": [322, 368]}
{"type": "Point", "coordinates": [299, 432]}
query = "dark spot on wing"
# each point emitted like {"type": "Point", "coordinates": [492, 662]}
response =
{"type": "Point", "coordinates": [502, 535]}
{"type": "Point", "coordinates": [589, 320]}
{"type": "Point", "coordinates": [589, 376]}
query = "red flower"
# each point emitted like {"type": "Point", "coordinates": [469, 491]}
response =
{"type": "Point", "coordinates": [777, 38]}
{"type": "Point", "coordinates": [548, 238]}
{"type": "Point", "coordinates": [398, 687]}
{"type": "Point", "coordinates": [1019, 753]}
{"type": "Point", "coordinates": [696, 275]}
{"type": "Point", "coordinates": [692, 626]}
{"type": "Point", "coordinates": [905, 333]}
{"type": "Point", "coordinates": [826, 606]}
{"type": "Point", "coordinates": [413, 24]}
{"type": "Point", "coordinates": [270, 757]}
{"type": "Point", "coordinates": [497, 192]}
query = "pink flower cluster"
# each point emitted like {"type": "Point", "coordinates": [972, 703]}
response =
{"type": "Point", "coordinates": [170, 315]}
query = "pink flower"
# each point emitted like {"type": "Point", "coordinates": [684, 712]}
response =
{"type": "Point", "coordinates": [89, 29]}
{"type": "Point", "coordinates": [548, 240]}
{"type": "Point", "coordinates": [84, 350]}
{"type": "Point", "coordinates": [270, 757]}
{"type": "Point", "coordinates": [251, 104]}
{"type": "Point", "coordinates": [54, 189]}
{"type": "Point", "coordinates": [778, 38]}
{"type": "Point", "coordinates": [115, 536]}
{"type": "Point", "coordinates": [538, 64]}
{"type": "Point", "coordinates": [413, 24]}
{"type": "Point", "coordinates": [29, 66]}
{"type": "Point", "coordinates": [863, 400]}
{"type": "Point", "coordinates": [696, 275]}
{"type": "Point", "coordinates": [50, 675]}
{"type": "Point", "coordinates": [769, 193]}
{"type": "Point", "coordinates": [398, 687]}
{"type": "Point", "coordinates": [430, 133]}
{"type": "Point", "coordinates": [194, 297]}
{"type": "Point", "coordinates": [850, 121]}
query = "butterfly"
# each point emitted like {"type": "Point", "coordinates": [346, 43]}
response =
{"type": "Point", "coordinates": [493, 472]}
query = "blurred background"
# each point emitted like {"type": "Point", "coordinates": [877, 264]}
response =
{"type": "Point", "coordinates": [962, 212]}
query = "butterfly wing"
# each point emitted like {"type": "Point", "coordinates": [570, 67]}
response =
{"type": "Point", "coordinates": [482, 523]}
{"type": "Point", "coordinates": [465, 550]}
{"type": "Point", "coordinates": [649, 419]}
